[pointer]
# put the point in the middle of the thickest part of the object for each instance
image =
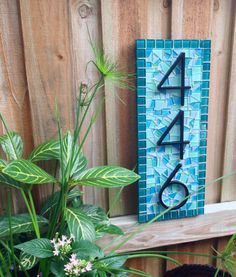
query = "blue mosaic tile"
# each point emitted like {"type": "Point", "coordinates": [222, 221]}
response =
{"type": "Point", "coordinates": [156, 110]}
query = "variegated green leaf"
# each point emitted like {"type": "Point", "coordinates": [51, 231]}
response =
{"type": "Point", "coordinates": [96, 214]}
{"type": "Point", "coordinates": [40, 248]}
{"type": "Point", "coordinates": [8, 181]}
{"type": "Point", "coordinates": [80, 226]}
{"type": "Point", "coordinates": [27, 172]}
{"type": "Point", "coordinates": [49, 150]}
{"type": "Point", "coordinates": [20, 223]}
{"type": "Point", "coordinates": [53, 200]}
{"type": "Point", "coordinates": [79, 162]}
{"type": "Point", "coordinates": [107, 177]}
{"type": "Point", "coordinates": [28, 261]}
{"type": "Point", "coordinates": [12, 145]}
{"type": "Point", "coordinates": [2, 164]}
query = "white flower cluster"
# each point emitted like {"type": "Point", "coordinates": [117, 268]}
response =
{"type": "Point", "coordinates": [76, 266]}
{"type": "Point", "coordinates": [61, 246]}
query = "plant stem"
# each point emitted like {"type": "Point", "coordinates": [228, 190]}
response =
{"type": "Point", "coordinates": [34, 214]}
{"type": "Point", "coordinates": [30, 212]}
{"type": "Point", "coordinates": [15, 257]}
{"type": "Point", "coordinates": [10, 229]}
{"type": "Point", "coordinates": [5, 266]}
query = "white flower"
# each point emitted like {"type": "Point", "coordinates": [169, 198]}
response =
{"type": "Point", "coordinates": [89, 266]}
{"type": "Point", "coordinates": [56, 252]}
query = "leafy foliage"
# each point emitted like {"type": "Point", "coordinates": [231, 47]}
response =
{"type": "Point", "coordinates": [49, 150]}
{"type": "Point", "coordinates": [8, 181]}
{"type": "Point", "coordinates": [21, 223]}
{"type": "Point", "coordinates": [26, 172]}
{"type": "Point", "coordinates": [80, 225]}
{"type": "Point", "coordinates": [12, 145]}
{"type": "Point", "coordinates": [28, 261]}
{"type": "Point", "coordinates": [40, 248]}
{"type": "Point", "coordinates": [54, 198]}
{"type": "Point", "coordinates": [106, 177]}
{"type": "Point", "coordinates": [87, 250]}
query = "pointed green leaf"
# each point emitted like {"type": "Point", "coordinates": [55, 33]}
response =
{"type": "Point", "coordinates": [28, 261]}
{"type": "Point", "coordinates": [53, 200]}
{"type": "Point", "coordinates": [79, 162]}
{"type": "Point", "coordinates": [12, 145]}
{"type": "Point", "coordinates": [26, 172]}
{"type": "Point", "coordinates": [111, 229]}
{"type": "Point", "coordinates": [80, 225]}
{"type": "Point", "coordinates": [96, 214]}
{"type": "Point", "coordinates": [8, 181]}
{"type": "Point", "coordinates": [49, 150]}
{"type": "Point", "coordinates": [2, 164]}
{"type": "Point", "coordinates": [87, 250]}
{"type": "Point", "coordinates": [107, 177]}
{"type": "Point", "coordinates": [20, 223]}
{"type": "Point", "coordinates": [40, 248]}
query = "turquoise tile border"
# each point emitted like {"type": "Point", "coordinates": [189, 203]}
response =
{"type": "Point", "coordinates": [143, 47]}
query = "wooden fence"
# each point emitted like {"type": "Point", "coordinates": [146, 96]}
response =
{"type": "Point", "coordinates": [44, 50]}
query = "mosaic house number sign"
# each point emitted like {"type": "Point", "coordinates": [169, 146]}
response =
{"type": "Point", "coordinates": [172, 110]}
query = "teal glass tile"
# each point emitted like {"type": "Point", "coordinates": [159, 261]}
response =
{"type": "Point", "coordinates": [204, 110]}
{"type": "Point", "coordinates": [140, 43]}
{"type": "Point", "coordinates": [178, 43]}
{"type": "Point", "coordinates": [206, 75]}
{"type": "Point", "coordinates": [205, 93]}
{"type": "Point", "coordinates": [141, 63]}
{"type": "Point", "coordinates": [168, 43]}
{"type": "Point", "coordinates": [202, 159]}
{"type": "Point", "coordinates": [207, 58]}
{"type": "Point", "coordinates": [160, 43]}
{"type": "Point", "coordinates": [141, 92]}
{"type": "Point", "coordinates": [142, 118]}
{"type": "Point", "coordinates": [194, 43]}
{"type": "Point", "coordinates": [186, 43]}
{"type": "Point", "coordinates": [150, 43]}
{"type": "Point", "coordinates": [204, 118]}
{"type": "Point", "coordinates": [141, 73]}
{"type": "Point", "coordinates": [205, 44]}
{"type": "Point", "coordinates": [140, 53]}
{"type": "Point", "coordinates": [141, 110]}
{"type": "Point", "coordinates": [206, 66]}
{"type": "Point", "coordinates": [141, 82]}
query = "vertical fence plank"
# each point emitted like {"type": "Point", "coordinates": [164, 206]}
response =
{"type": "Point", "coordinates": [228, 192]}
{"type": "Point", "coordinates": [187, 23]}
{"type": "Point", "coordinates": [86, 15]}
{"type": "Point", "coordinates": [14, 99]}
{"type": "Point", "coordinates": [48, 66]}
{"type": "Point", "coordinates": [122, 23]}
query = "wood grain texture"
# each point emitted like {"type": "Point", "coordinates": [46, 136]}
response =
{"type": "Point", "coordinates": [84, 16]}
{"type": "Point", "coordinates": [152, 266]}
{"type": "Point", "coordinates": [179, 231]}
{"type": "Point", "coordinates": [14, 98]}
{"type": "Point", "coordinates": [228, 191]}
{"type": "Point", "coordinates": [208, 19]}
{"type": "Point", "coordinates": [46, 36]}
{"type": "Point", "coordinates": [122, 23]}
